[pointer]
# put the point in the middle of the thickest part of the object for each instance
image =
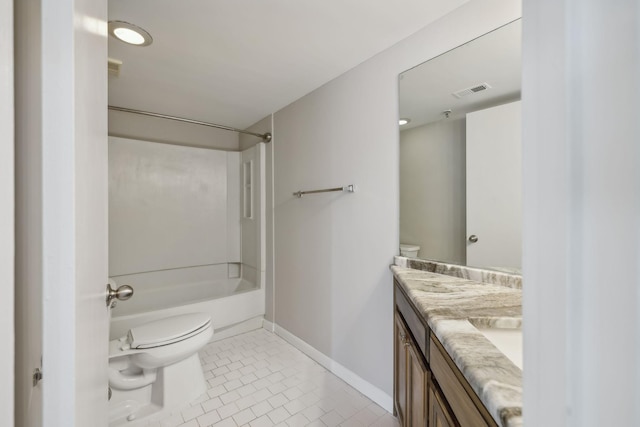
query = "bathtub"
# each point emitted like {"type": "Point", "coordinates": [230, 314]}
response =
{"type": "Point", "coordinates": [230, 293]}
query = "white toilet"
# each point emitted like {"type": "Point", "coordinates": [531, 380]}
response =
{"type": "Point", "coordinates": [155, 367]}
{"type": "Point", "coordinates": [409, 251]}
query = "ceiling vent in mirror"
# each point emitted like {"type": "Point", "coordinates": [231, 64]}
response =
{"type": "Point", "coordinates": [473, 89]}
{"type": "Point", "coordinates": [114, 67]}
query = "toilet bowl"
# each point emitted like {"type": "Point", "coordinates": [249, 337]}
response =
{"type": "Point", "coordinates": [409, 251]}
{"type": "Point", "coordinates": [155, 367]}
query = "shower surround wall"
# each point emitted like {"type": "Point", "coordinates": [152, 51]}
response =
{"type": "Point", "coordinates": [168, 207]}
{"type": "Point", "coordinates": [175, 228]}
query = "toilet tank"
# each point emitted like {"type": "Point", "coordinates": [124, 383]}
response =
{"type": "Point", "coordinates": [409, 251]}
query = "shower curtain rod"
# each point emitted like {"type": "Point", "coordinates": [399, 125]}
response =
{"type": "Point", "coordinates": [266, 137]}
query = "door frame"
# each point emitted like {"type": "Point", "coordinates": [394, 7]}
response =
{"type": "Point", "coordinates": [61, 212]}
{"type": "Point", "coordinates": [7, 242]}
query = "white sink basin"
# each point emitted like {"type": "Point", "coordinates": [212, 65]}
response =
{"type": "Point", "coordinates": [508, 341]}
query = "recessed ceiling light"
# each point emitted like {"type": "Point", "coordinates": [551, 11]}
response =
{"type": "Point", "coordinates": [129, 33]}
{"type": "Point", "coordinates": [403, 122]}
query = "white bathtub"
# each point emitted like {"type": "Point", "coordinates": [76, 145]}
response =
{"type": "Point", "coordinates": [159, 294]}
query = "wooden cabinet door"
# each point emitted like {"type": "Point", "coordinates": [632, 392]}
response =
{"type": "Point", "coordinates": [417, 388]}
{"type": "Point", "coordinates": [439, 413]}
{"type": "Point", "coordinates": [400, 337]}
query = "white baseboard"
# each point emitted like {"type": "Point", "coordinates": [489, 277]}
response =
{"type": "Point", "coordinates": [372, 392]}
{"type": "Point", "coordinates": [269, 326]}
{"type": "Point", "coordinates": [238, 328]}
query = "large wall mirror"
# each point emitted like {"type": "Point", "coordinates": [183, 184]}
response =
{"type": "Point", "coordinates": [460, 154]}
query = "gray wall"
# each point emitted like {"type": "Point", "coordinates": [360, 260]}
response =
{"type": "Point", "coordinates": [333, 287]}
{"type": "Point", "coordinates": [432, 189]}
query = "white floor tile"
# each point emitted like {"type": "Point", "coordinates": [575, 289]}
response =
{"type": "Point", "coordinates": [293, 393]}
{"type": "Point", "coordinates": [211, 404]}
{"type": "Point", "coordinates": [297, 421]}
{"type": "Point", "coordinates": [278, 415]}
{"type": "Point", "coordinates": [261, 394]}
{"type": "Point", "coordinates": [243, 417]}
{"type": "Point", "coordinates": [208, 419]}
{"type": "Point", "coordinates": [278, 400]}
{"type": "Point", "coordinates": [263, 421]}
{"type": "Point", "coordinates": [230, 397]}
{"type": "Point", "coordinates": [276, 388]}
{"type": "Point", "coordinates": [386, 421]}
{"type": "Point", "coordinates": [332, 419]}
{"type": "Point", "coordinates": [259, 380]}
{"type": "Point", "coordinates": [312, 413]}
{"type": "Point", "coordinates": [376, 409]}
{"type": "Point", "coordinates": [246, 390]}
{"type": "Point", "coordinates": [228, 410]}
{"type": "Point", "coordinates": [262, 408]}
{"type": "Point", "coordinates": [172, 421]}
{"type": "Point", "coordinates": [225, 423]}
{"type": "Point", "coordinates": [191, 413]}
{"type": "Point", "coordinates": [245, 402]}
{"type": "Point", "coordinates": [233, 375]}
{"type": "Point", "coordinates": [248, 378]}
{"type": "Point", "coordinates": [366, 417]}
{"type": "Point", "coordinates": [346, 410]}
{"type": "Point", "coordinates": [294, 406]}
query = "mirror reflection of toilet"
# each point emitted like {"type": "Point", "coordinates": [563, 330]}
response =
{"type": "Point", "coordinates": [155, 367]}
{"type": "Point", "coordinates": [409, 251]}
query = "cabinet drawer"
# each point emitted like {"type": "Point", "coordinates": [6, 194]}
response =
{"type": "Point", "coordinates": [464, 403]}
{"type": "Point", "coordinates": [419, 331]}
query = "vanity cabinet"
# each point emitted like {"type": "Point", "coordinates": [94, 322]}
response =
{"type": "Point", "coordinates": [418, 386]}
{"type": "Point", "coordinates": [439, 413]}
{"type": "Point", "coordinates": [400, 369]}
{"type": "Point", "coordinates": [412, 379]}
{"type": "Point", "coordinates": [429, 390]}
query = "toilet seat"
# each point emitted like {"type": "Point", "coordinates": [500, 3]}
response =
{"type": "Point", "coordinates": [168, 331]}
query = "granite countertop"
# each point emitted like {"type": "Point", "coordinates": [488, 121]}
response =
{"type": "Point", "coordinates": [451, 307]}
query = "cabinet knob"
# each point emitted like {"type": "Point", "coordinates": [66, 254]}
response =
{"type": "Point", "coordinates": [473, 238]}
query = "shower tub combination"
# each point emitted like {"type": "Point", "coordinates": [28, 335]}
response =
{"type": "Point", "coordinates": [186, 232]}
{"type": "Point", "coordinates": [235, 304]}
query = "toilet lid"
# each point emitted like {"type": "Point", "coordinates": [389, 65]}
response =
{"type": "Point", "coordinates": [407, 247]}
{"type": "Point", "coordinates": [169, 330]}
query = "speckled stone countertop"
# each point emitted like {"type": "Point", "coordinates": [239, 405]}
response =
{"type": "Point", "coordinates": [452, 306]}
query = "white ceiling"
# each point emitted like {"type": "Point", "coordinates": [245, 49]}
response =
{"type": "Point", "coordinates": [495, 58]}
{"type": "Point", "coordinates": [233, 62]}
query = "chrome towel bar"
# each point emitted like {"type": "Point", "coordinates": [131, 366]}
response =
{"type": "Point", "coordinates": [349, 188]}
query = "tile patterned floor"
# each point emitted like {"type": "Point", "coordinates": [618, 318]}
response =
{"type": "Point", "coordinates": [257, 379]}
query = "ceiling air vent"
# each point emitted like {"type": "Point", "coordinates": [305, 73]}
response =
{"type": "Point", "coordinates": [473, 89]}
{"type": "Point", "coordinates": [114, 67]}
